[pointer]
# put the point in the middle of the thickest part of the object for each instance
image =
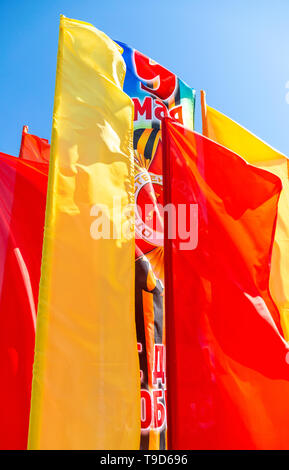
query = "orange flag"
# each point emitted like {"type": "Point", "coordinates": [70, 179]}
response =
{"type": "Point", "coordinates": [23, 197]}
{"type": "Point", "coordinates": [228, 376]}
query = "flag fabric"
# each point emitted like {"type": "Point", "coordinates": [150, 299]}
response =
{"type": "Point", "coordinates": [23, 197]}
{"type": "Point", "coordinates": [33, 147]}
{"type": "Point", "coordinates": [227, 132]}
{"type": "Point", "coordinates": [172, 97]}
{"type": "Point", "coordinates": [156, 92]}
{"type": "Point", "coordinates": [85, 391]}
{"type": "Point", "coordinates": [228, 374]}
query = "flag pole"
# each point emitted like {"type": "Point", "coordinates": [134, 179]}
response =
{"type": "Point", "coordinates": [204, 113]}
{"type": "Point", "coordinates": [24, 131]}
{"type": "Point", "coordinates": [169, 319]}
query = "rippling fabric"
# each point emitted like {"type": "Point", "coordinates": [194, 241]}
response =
{"type": "Point", "coordinates": [86, 392]}
{"type": "Point", "coordinates": [33, 147]}
{"type": "Point", "coordinates": [22, 208]}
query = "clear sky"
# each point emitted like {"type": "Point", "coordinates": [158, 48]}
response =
{"type": "Point", "coordinates": [238, 51]}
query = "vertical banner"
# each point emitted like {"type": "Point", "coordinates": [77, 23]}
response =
{"type": "Point", "coordinates": [86, 391]}
{"type": "Point", "coordinates": [156, 93]}
{"type": "Point", "coordinates": [228, 366]}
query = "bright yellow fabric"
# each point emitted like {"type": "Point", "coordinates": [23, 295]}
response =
{"type": "Point", "coordinates": [86, 390]}
{"type": "Point", "coordinates": [226, 132]}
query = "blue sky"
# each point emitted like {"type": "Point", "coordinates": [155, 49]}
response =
{"type": "Point", "coordinates": [237, 51]}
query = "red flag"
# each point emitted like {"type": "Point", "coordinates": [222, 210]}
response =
{"type": "Point", "coordinates": [228, 376]}
{"type": "Point", "coordinates": [33, 147]}
{"type": "Point", "coordinates": [23, 198]}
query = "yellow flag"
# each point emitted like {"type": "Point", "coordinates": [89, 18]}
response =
{"type": "Point", "coordinates": [227, 132]}
{"type": "Point", "coordinates": [86, 391]}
